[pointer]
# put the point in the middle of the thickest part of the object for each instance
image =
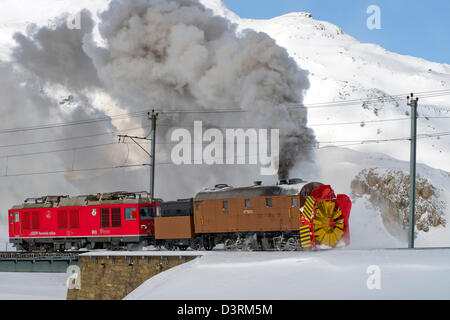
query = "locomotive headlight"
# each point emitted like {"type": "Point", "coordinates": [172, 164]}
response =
{"type": "Point", "coordinates": [144, 227]}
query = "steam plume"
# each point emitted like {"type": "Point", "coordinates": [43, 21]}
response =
{"type": "Point", "coordinates": [178, 55]}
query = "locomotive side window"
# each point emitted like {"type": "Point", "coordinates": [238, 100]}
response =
{"type": "Point", "coordinates": [294, 202]}
{"type": "Point", "coordinates": [74, 217]}
{"type": "Point", "coordinates": [147, 213]}
{"type": "Point", "coordinates": [225, 204]}
{"type": "Point", "coordinates": [26, 220]}
{"type": "Point", "coordinates": [198, 206]}
{"type": "Point", "coordinates": [130, 214]}
{"type": "Point", "coordinates": [115, 218]}
{"type": "Point", "coordinates": [269, 202]}
{"type": "Point", "coordinates": [36, 222]}
{"type": "Point", "coordinates": [16, 217]}
{"type": "Point", "coordinates": [104, 218]}
{"type": "Point", "coordinates": [62, 219]}
{"type": "Point", "coordinates": [247, 203]}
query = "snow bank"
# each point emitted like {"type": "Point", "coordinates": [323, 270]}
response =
{"type": "Point", "coordinates": [339, 166]}
{"type": "Point", "coordinates": [32, 286]}
{"type": "Point", "coordinates": [334, 274]}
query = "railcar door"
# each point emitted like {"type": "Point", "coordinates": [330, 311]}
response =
{"type": "Point", "coordinates": [15, 223]}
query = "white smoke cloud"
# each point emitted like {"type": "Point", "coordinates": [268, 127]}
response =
{"type": "Point", "coordinates": [178, 55]}
{"type": "Point", "coordinates": [162, 54]}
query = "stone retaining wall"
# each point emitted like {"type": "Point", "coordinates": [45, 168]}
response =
{"type": "Point", "coordinates": [114, 277]}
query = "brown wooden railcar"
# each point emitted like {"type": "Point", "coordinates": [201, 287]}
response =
{"type": "Point", "coordinates": [257, 215]}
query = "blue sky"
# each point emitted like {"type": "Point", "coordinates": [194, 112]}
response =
{"type": "Point", "coordinates": [412, 27]}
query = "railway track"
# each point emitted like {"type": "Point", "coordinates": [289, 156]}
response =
{"type": "Point", "coordinates": [43, 255]}
{"type": "Point", "coordinates": [27, 255]}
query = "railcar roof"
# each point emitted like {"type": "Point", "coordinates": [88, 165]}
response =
{"type": "Point", "coordinates": [112, 198]}
{"type": "Point", "coordinates": [249, 192]}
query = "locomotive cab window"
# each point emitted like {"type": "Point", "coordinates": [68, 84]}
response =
{"type": "Point", "coordinates": [294, 202]}
{"type": "Point", "coordinates": [247, 203]}
{"type": "Point", "coordinates": [198, 206]}
{"type": "Point", "coordinates": [116, 221]}
{"type": "Point", "coordinates": [147, 213]}
{"type": "Point", "coordinates": [269, 202]}
{"type": "Point", "coordinates": [130, 214]}
{"type": "Point", "coordinates": [16, 217]}
{"type": "Point", "coordinates": [225, 204]}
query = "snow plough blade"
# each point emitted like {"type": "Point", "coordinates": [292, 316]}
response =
{"type": "Point", "coordinates": [328, 223]}
{"type": "Point", "coordinates": [324, 219]}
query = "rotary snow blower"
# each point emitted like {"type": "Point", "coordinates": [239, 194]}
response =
{"type": "Point", "coordinates": [324, 219]}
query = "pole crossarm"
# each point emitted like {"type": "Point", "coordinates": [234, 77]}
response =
{"type": "Point", "coordinates": [122, 137]}
{"type": "Point", "coordinates": [133, 138]}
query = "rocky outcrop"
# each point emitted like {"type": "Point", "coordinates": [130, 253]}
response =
{"type": "Point", "coordinates": [389, 190]}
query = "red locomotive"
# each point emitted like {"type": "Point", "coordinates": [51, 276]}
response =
{"type": "Point", "coordinates": [289, 216]}
{"type": "Point", "coordinates": [108, 220]}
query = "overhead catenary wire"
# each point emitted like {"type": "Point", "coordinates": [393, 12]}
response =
{"type": "Point", "coordinates": [224, 110]}
{"type": "Point", "coordinates": [175, 125]}
{"type": "Point", "coordinates": [73, 170]}
{"type": "Point", "coordinates": [142, 113]}
{"type": "Point", "coordinates": [349, 143]}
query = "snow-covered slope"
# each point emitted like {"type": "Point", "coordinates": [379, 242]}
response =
{"type": "Point", "coordinates": [366, 226]}
{"type": "Point", "coordinates": [338, 274]}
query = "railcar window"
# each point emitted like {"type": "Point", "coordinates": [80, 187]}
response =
{"type": "Point", "coordinates": [147, 213]}
{"type": "Point", "coordinates": [62, 219]}
{"type": "Point", "coordinates": [158, 211]}
{"type": "Point", "coordinates": [115, 218]}
{"type": "Point", "coordinates": [294, 202]}
{"type": "Point", "coordinates": [26, 221]}
{"type": "Point", "coordinates": [74, 217]}
{"type": "Point", "coordinates": [247, 203]}
{"type": "Point", "coordinates": [130, 214]}
{"type": "Point", "coordinates": [36, 221]}
{"type": "Point", "coordinates": [269, 202]}
{"type": "Point", "coordinates": [104, 218]}
{"type": "Point", "coordinates": [225, 204]}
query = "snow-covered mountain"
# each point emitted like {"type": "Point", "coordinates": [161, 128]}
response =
{"type": "Point", "coordinates": [343, 69]}
{"type": "Point", "coordinates": [362, 85]}
{"type": "Point", "coordinates": [357, 94]}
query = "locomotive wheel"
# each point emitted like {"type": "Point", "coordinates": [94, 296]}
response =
{"type": "Point", "coordinates": [328, 223]}
{"type": "Point", "coordinates": [291, 244]}
{"type": "Point", "coordinates": [229, 244]}
{"type": "Point", "coordinates": [195, 245]}
{"type": "Point", "coordinates": [169, 245]}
